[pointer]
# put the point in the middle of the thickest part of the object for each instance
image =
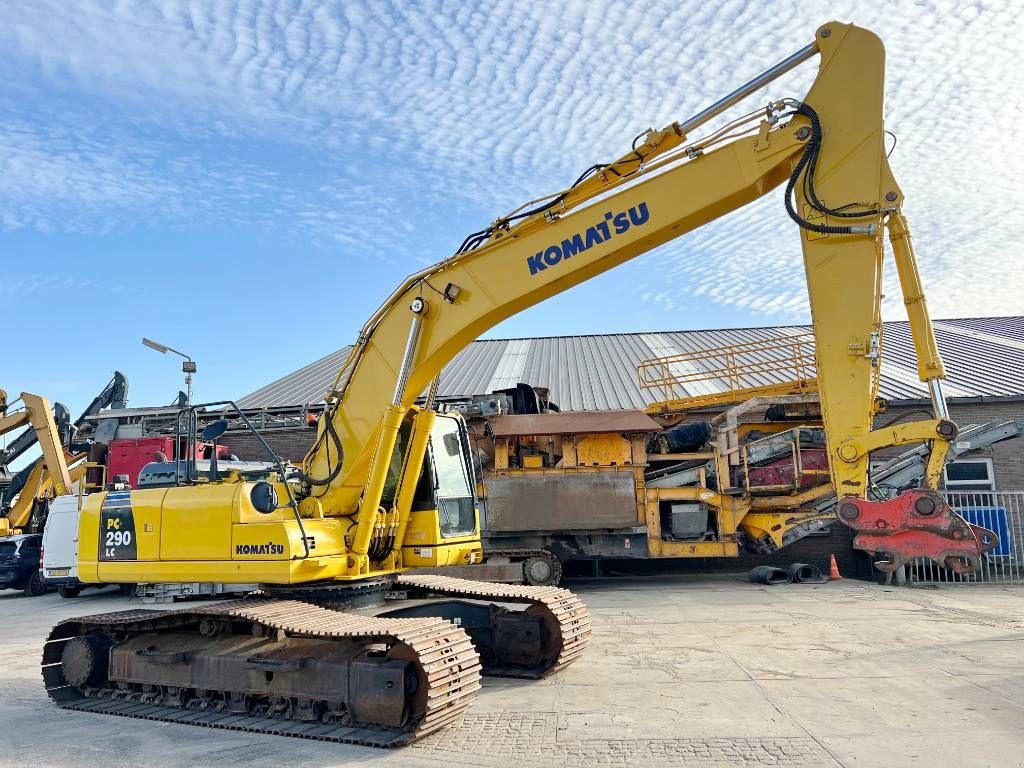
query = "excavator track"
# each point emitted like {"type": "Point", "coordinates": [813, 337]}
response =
{"type": "Point", "coordinates": [413, 676]}
{"type": "Point", "coordinates": [563, 614]}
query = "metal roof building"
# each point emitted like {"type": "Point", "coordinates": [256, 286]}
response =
{"type": "Point", "coordinates": [984, 359]}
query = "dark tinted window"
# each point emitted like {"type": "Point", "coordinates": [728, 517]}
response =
{"type": "Point", "coordinates": [456, 516]}
{"type": "Point", "coordinates": [967, 470]}
{"type": "Point", "coordinates": [7, 548]}
{"type": "Point", "coordinates": [29, 547]}
{"type": "Point", "coordinates": [387, 498]}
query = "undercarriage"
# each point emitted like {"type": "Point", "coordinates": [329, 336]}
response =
{"type": "Point", "coordinates": [403, 666]}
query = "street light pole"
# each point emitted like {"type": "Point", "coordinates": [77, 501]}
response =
{"type": "Point", "coordinates": [188, 367]}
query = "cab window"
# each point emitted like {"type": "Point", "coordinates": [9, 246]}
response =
{"type": "Point", "coordinates": [387, 498]}
{"type": "Point", "coordinates": [453, 478]}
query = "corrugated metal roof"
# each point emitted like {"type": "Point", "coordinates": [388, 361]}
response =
{"type": "Point", "coordinates": [306, 385]}
{"type": "Point", "coordinates": [983, 357]}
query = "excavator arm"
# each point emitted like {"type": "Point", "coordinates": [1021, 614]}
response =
{"type": "Point", "coordinates": [37, 489]}
{"type": "Point", "coordinates": [113, 395]}
{"type": "Point", "coordinates": [39, 416]}
{"type": "Point", "coordinates": [827, 148]}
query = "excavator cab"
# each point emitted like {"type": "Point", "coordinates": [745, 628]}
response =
{"type": "Point", "coordinates": [444, 520]}
{"type": "Point", "coordinates": [250, 522]}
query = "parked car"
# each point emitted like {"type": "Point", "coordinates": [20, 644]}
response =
{"type": "Point", "coordinates": [60, 549]}
{"type": "Point", "coordinates": [19, 564]}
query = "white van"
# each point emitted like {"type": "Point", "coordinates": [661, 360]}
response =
{"type": "Point", "coordinates": [60, 546]}
{"type": "Point", "coordinates": [60, 549]}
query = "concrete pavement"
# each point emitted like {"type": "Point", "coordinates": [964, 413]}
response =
{"type": "Point", "coordinates": [683, 670]}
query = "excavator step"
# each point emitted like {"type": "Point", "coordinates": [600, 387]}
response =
{"type": "Point", "coordinates": [405, 678]}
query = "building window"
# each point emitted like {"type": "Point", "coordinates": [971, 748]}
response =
{"type": "Point", "coordinates": [969, 483]}
{"type": "Point", "coordinates": [970, 475]}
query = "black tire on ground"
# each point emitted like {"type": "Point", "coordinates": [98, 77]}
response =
{"type": "Point", "coordinates": [542, 570]}
{"type": "Point", "coordinates": [127, 589]}
{"type": "Point", "coordinates": [66, 590]}
{"type": "Point", "coordinates": [805, 573]}
{"type": "Point", "coordinates": [770, 575]}
{"type": "Point", "coordinates": [36, 586]}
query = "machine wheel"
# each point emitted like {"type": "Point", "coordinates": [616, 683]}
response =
{"type": "Point", "coordinates": [543, 570]}
{"type": "Point", "coordinates": [36, 586]}
{"type": "Point", "coordinates": [127, 589]}
{"type": "Point", "coordinates": [66, 590]}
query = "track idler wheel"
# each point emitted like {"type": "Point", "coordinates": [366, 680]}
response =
{"type": "Point", "coordinates": [85, 660]}
{"type": "Point", "coordinates": [542, 570]}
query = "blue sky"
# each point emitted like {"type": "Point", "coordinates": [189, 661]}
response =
{"type": "Point", "coordinates": [247, 181]}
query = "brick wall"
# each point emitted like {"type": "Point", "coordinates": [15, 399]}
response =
{"type": "Point", "coordinates": [813, 549]}
{"type": "Point", "coordinates": [1007, 457]}
{"type": "Point", "coordinates": [291, 444]}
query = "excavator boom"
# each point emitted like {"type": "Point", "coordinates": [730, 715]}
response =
{"type": "Point", "coordinates": [53, 473]}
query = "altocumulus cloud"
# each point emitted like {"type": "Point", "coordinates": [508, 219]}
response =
{"type": "Point", "coordinates": [492, 103]}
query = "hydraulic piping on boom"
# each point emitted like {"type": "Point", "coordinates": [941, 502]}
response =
{"type": "Point", "coordinates": [390, 486]}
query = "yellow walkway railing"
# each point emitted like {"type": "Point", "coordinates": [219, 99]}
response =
{"type": "Point", "coordinates": [781, 365]}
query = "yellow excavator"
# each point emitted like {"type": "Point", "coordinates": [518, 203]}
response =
{"type": "Point", "coordinates": [48, 477]}
{"type": "Point", "coordinates": [346, 644]}
{"type": "Point", "coordinates": [27, 513]}
{"type": "Point", "coordinates": [25, 496]}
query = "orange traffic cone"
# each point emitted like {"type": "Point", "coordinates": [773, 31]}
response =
{"type": "Point", "coordinates": [833, 569]}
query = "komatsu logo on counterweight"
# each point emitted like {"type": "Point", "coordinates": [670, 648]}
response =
{"type": "Point", "coordinates": [612, 225]}
{"type": "Point", "coordinates": [259, 549]}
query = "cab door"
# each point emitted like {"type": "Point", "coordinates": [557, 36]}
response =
{"type": "Point", "coordinates": [444, 525]}
{"type": "Point", "coordinates": [454, 485]}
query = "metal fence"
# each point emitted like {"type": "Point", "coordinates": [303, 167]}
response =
{"type": "Point", "coordinates": [999, 511]}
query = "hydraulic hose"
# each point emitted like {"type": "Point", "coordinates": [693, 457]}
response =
{"type": "Point", "coordinates": [805, 169]}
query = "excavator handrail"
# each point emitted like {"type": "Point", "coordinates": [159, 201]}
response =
{"type": "Point", "coordinates": [776, 365]}
{"type": "Point", "coordinates": [189, 434]}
